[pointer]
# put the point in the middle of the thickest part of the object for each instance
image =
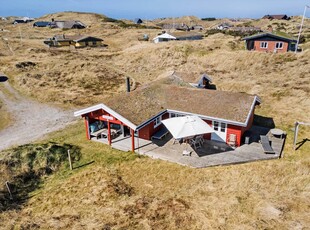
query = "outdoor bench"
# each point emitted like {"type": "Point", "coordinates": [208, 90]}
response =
{"type": "Point", "coordinates": [160, 134]}
{"type": "Point", "coordinates": [266, 145]}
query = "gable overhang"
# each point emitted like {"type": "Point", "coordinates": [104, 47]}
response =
{"type": "Point", "coordinates": [108, 110]}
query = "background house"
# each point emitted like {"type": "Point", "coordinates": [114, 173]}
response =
{"type": "Point", "coordinates": [176, 26]}
{"type": "Point", "coordinates": [244, 29]}
{"type": "Point", "coordinates": [187, 36]}
{"type": "Point", "coordinates": [178, 36]}
{"type": "Point", "coordinates": [23, 20]}
{"type": "Point", "coordinates": [224, 26]}
{"type": "Point", "coordinates": [165, 37]}
{"type": "Point", "coordinates": [78, 41]}
{"type": "Point", "coordinates": [67, 24]}
{"type": "Point", "coordinates": [138, 21]}
{"type": "Point", "coordinates": [41, 24]}
{"type": "Point", "coordinates": [270, 42]}
{"type": "Point", "coordinates": [276, 16]}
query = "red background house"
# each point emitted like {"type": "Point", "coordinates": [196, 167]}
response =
{"type": "Point", "coordinates": [269, 42]}
{"type": "Point", "coordinates": [139, 113]}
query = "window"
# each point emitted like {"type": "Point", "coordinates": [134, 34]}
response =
{"type": "Point", "coordinates": [215, 125]}
{"type": "Point", "coordinates": [157, 121]}
{"type": "Point", "coordinates": [264, 45]}
{"type": "Point", "coordinates": [175, 115]}
{"type": "Point", "coordinates": [219, 126]}
{"type": "Point", "coordinates": [94, 43]}
{"type": "Point", "coordinates": [223, 127]}
{"type": "Point", "coordinates": [279, 45]}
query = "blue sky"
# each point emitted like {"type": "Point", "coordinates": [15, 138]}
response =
{"type": "Point", "coordinates": [147, 9]}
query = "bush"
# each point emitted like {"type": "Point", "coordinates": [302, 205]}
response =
{"type": "Point", "coordinates": [208, 19]}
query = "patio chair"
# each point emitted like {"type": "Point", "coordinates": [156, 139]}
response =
{"type": "Point", "coordinates": [196, 142]}
{"type": "Point", "coordinates": [200, 139]}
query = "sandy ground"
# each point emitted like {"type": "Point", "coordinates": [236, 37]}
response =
{"type": "Point", "coordinates": [32, 120]}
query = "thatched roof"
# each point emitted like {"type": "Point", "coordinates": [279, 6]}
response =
{"type": "Point", "coordinates": [143, 104]}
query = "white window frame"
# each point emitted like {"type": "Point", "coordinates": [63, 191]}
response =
{"type": "Point", "coordinates": [279, 43]}
{"type": "Point", "coordinates": [264, 45]}
{"type": "Point", "coordinates": [223, 126]}
{"type": "Point", "coordinates": [157, 121]}
{"type": "Point", "coordinates": [219, 126]}
{"type": "Point", "coordinates": [216, 125]}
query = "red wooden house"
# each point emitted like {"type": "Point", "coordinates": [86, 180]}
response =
{"type": "Point", "coordinates": [139, 113]}
{"type": "Point", "coordinates": [270, 42]}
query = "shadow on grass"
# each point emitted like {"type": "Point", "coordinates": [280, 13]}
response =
{"type": "Point", "coordinates": [83, 165]}
{"type": "Point", "coordinates": [301, 143]}
{"type": "Point", "coordinates": [267, 122]}
{"type": "Point", "coordinates": [26, 166]}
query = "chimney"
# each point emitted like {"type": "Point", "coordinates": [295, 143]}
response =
{"type": "Point", "coordinates": [128, 84]}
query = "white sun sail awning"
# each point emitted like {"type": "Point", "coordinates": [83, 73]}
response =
{"type": "Point", "coordinates": [187, 126]}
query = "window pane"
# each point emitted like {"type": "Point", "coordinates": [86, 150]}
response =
{"type": "Point", "coordinates": [223, 127]}
{"type": "Point", "coordinates": [263, 44]}
{"type": "Point", "coordinates": [216, 125]}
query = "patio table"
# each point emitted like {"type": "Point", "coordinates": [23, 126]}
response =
{"type": "Point", "coordinates": [277, 133]}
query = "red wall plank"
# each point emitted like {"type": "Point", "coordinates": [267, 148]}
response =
{"type": "Point", "coordinates": [271, 46]}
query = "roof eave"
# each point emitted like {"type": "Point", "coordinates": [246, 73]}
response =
{"type": "Point", "coordinates": [237, 123]}
{"type": "Point", "coordinates": [268, 34]}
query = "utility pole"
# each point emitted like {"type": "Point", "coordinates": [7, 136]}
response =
{"type": "Point", "coordinates": [300, 29]}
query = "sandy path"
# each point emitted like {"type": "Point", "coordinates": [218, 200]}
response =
{"type": "Point", "coordinates": [32, 120]}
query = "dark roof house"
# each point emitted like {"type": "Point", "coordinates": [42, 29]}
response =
{"type": "Point", "coordinates": [41, 24]}
{"type": "Point", "coordinates": [138, 21]}
{"type": "Point", "coordinates": [23, 20]}
{"type": "Point", "coordinates": [277, 16]}
{"type": "Point", "coordinates": [77, 41]}
{"type": "Point", "coordinates": [187, 36]}
{"type": "Point", "coordinates": [270, 42]}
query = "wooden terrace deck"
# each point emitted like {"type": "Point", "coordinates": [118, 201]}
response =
{"type": "Point", "coordinates": [212, 153]}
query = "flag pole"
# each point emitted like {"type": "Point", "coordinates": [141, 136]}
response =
{"type": "Point", "coordinates": [300, 29]}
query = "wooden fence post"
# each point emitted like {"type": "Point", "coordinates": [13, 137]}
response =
{"type": "Point", "coordinates": [69, 157]}
{"type": "Point", "coordinates": [9, 190]}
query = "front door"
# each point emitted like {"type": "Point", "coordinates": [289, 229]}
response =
{"type": "Point", "coordinates": [219, 131]}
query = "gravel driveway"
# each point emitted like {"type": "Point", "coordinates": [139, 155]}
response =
{"type": "Point", "coordinates": [32, 120]}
